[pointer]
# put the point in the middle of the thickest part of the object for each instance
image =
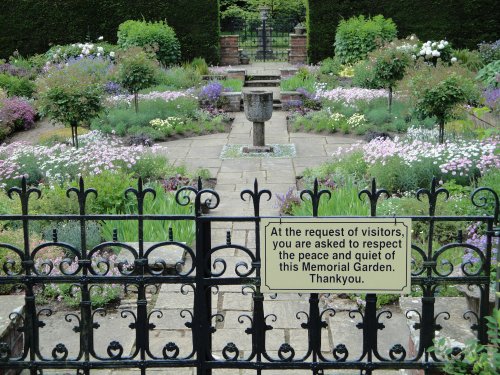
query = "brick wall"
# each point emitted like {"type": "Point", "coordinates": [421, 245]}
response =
{"type": "Point", "coordinates": [229, 53]}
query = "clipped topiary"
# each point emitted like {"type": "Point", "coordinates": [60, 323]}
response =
{"type": "Point", "coordinates": [157, 35]}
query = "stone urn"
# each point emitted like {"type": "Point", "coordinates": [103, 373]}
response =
{"type": "Point", "coordinates": [258, 109]}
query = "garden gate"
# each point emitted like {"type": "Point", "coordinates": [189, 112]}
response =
{"type": "Point", "coordinates": [86, 269]}
{"type": "Point", "coordinates": [267, 39]}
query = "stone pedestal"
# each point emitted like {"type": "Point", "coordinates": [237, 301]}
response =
{"type": "Point", "coordinates": [258, 109]}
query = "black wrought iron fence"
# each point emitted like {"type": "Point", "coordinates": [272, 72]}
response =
{"type": "Point", "coordinates": [203, 273]}
{"type": "Point", "coordinates": [263, 41]}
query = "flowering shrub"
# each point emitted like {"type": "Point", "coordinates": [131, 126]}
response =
{"type": "Point", "coordinates": [356, 120]}
{"type": "Point", "coordinates": [211, 95]}
{"type": "Point", "coordinates": [286, 202]}
{"type": "Point", "coordinates": [167, 124]}
{"type": "Point", "coordinates": [154, 95]}
{"type": "Point", "coordinates": [16, 114]}
{"type": "Point", "coordinates": [432, 51]}
{"type": "Point", "coordinates": [489, 51]}
{"type": "Point", "coordinates": [337, 120]}
{"type": "Point", "coordinates": [492, 99]}
{"type": "Point", "coordinates": [407, 164]}
{"type": "Point", "coordinates": [60, 54]}
{"type": "Point", "coordinates": [13, 70]}
{"type": "Point", "coordinates": [350, 95]}
{"type": "Point", "coordinates": [60, 162]}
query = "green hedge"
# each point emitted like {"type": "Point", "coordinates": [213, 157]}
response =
{"type": "Point", "coordinates": [463, 22]}
{"type": "Point", "coordinates": [31, 26]}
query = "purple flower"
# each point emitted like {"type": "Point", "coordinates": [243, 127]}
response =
{"type": "Point", "coordinates": [114, 88]}
{"type": "Point", "coordinates": [17, 113]}
{"type": "Point", "coordinates": [212, 91]}
{"type": "Point", "coordinates": [492, 98]}
{"type": "Point", "coordinates": [14, 70]}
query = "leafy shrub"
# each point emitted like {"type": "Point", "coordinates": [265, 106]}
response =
{"type": "Point", "coordinates": [16, 114]}
{"type": "Point", "coordinates": [154, 230]}
{"type": "Point", "coordinates": [136, 71]}
{"type": "Point", "coordinates": [157, 35]}
{"type": "Point", "coordinates": [71, 95]}
{"type": "Point", "coordinates": [344, 201]}
{"type": "Point", "coordinates": [470, 59]}
{"type": "Point", "coordinates": [70, 232]}
{"type": "Point", "coordinates": [17, 86]}
{"type": "Point", "coordinates": [489, 52]}
{"type": "Point", "coordinates": [364, 75]}
{"type": "Point", "coordinates": [234, 85]}
{"type": "Point", "coordinates": [179, 77]}
{"type": "Point", "coordinates": [330, 66]}
{"type": "Point", "coordinates": [300, 80]}
{"type": "Point", "coordinates": [357, 36]}
{"type": "Point", "coordinates": [477, 358]}
{"type": "Point", "coordinates": [200, 65]}
{"type": "Point", "coordinates": [490, 74]}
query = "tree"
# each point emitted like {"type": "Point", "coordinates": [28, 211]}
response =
{"type": "Point", "coordinates": [136, 71]}
{"type": "Point", "coordinates": [438, 91]}
{"type": "Point", "coordinates": [73, 94]}
{"type": "Point", "coordinates": [389, 66]}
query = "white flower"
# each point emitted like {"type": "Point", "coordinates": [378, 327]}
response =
{"type": "Point", "coordinates": [440, 46]}
{"type": "Point", "coordinates": [453, 59]}
{"type": "Point", "coordinates": [100, 49]}
{"type": "Point", "coordinates": [100, 38]}
{"type": "Point", "coordinates": [434, 44]}
{"type": "Point", "coordinates": [436, 53]}
{"type": "Point", "coordinates": [445, 43]}
{"type": "Point", "coordinates": [413, 57]}
{"type": "Point", "coordinates": [112, 54]}
{"type": "Point", "coordinates": [422, 52]}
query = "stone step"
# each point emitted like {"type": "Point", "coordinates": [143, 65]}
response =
{"type": "Point", "coordinates": [263, 83]}
{"type": "Point", "coordinates": [262, 77]}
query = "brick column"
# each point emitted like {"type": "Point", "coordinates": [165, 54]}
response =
{"type": "Point", "coordinates": [298, 49]}
{"type": "Point", "coordinates": [229, 53]}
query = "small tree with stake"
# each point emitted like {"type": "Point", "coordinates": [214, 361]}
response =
{"type": "Point", "coordinates": [72, 94]}
{"type": "Point", "coordinates": [137, 71]}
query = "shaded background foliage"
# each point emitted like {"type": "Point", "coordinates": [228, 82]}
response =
{"type": "Point", "coordinates": [31, 26]}
{"type": "Point", "coordinates": [465, 23]}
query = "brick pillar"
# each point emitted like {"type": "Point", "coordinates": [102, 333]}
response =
{"type": "Point", "coordinates": [298, 49]}
{"type": "Point", "coordinates": [229, 53]}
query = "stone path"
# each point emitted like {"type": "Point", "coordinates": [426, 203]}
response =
{"type": "Point", "coordinates": [234, 175]}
